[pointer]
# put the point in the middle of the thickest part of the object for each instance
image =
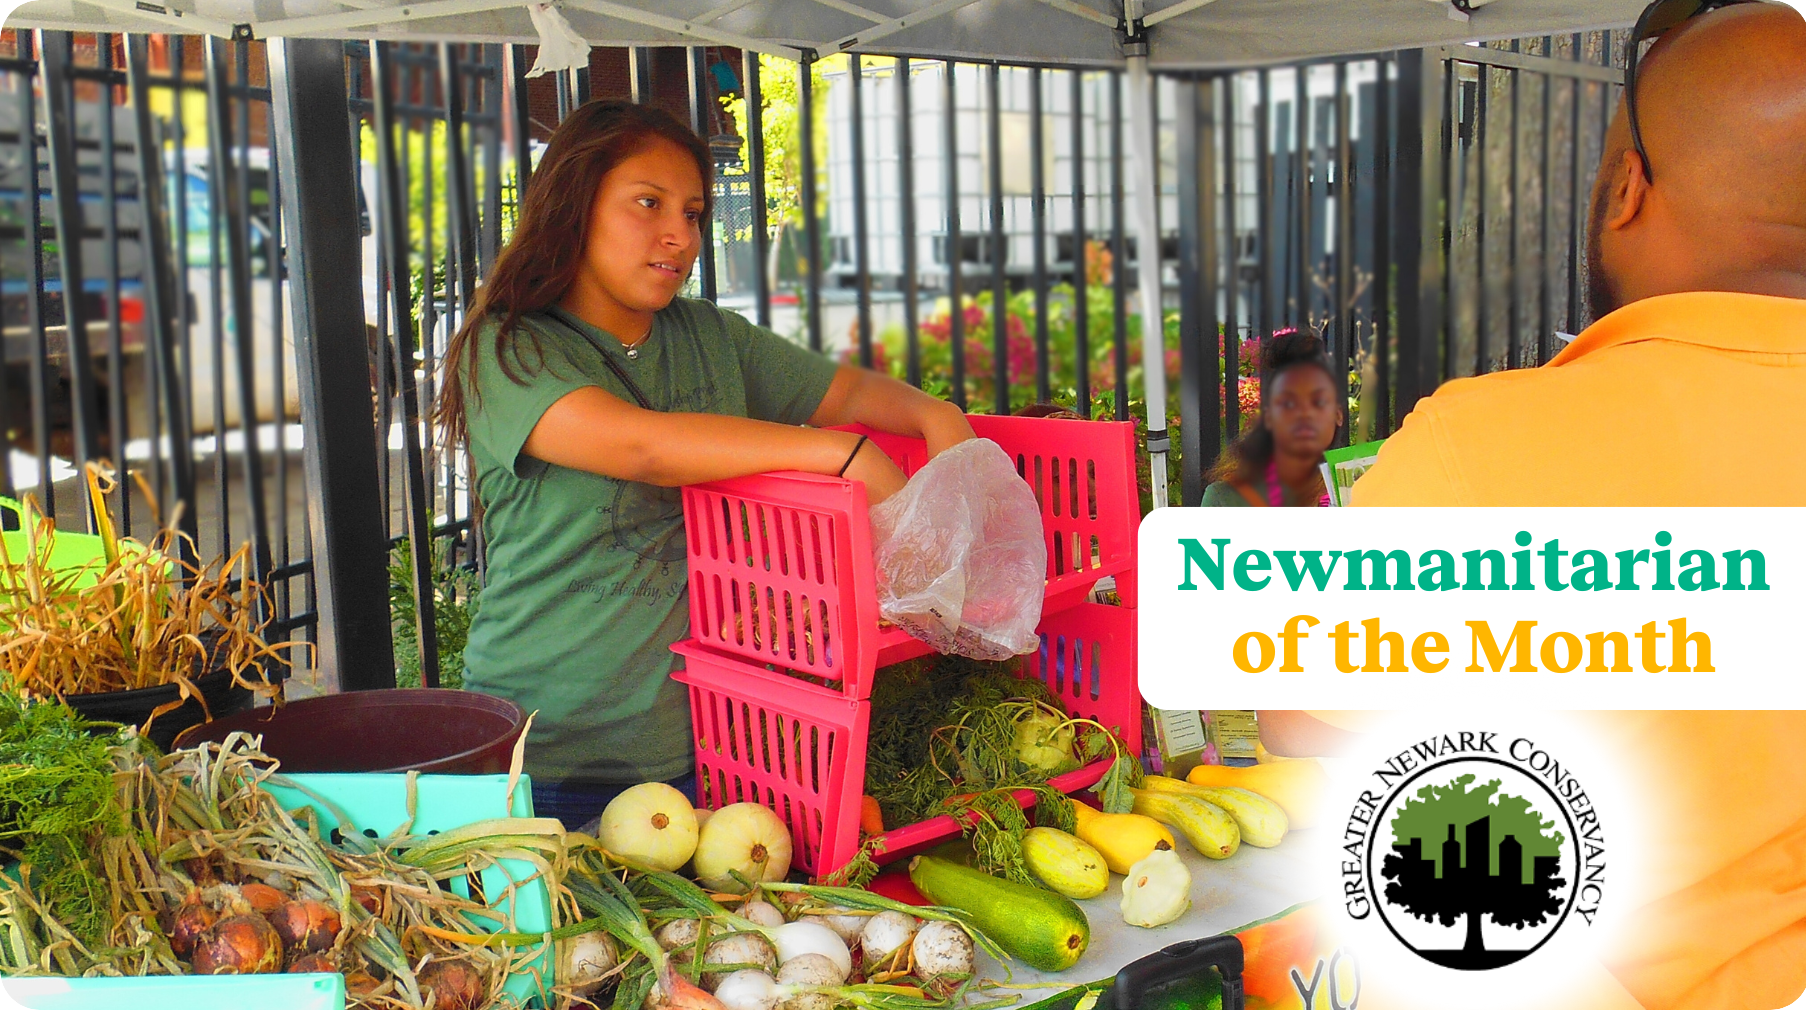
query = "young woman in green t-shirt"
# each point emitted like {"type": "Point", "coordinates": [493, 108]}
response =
{"type": "Point", "coordinates": [1276, 462]}
{"type": "Point", "coordinates": [587, 392]}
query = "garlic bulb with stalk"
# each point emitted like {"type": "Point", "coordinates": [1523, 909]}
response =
{"type": "Point", "coordinates": [884, 934]}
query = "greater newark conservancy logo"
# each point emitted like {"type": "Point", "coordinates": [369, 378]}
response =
{"type": "Point", "coordinates": [1474, 848]}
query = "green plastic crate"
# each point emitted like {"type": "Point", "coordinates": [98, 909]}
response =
{"type": "Point", "coordinates": [378, 804]}
{"type": "Point", "coordinates": [274, 992]}
{"type": "Point", "coordinates": [83, 553]}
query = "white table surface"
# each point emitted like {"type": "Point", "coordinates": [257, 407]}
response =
{"type": "Point", "coordinates": [1248, 886]}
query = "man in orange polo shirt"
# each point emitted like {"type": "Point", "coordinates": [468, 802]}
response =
{"type": "Point", "coordinates": [1689, 390]}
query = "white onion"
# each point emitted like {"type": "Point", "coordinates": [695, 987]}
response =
{"type": "Point", "coordinates": [585, 962]}
{"type": "Point", "coordinates": [942, 949]}
{"type": "Point", "coordinates": [847, 927]}
{"type": "Point", "coordinates": [762, 912]}
{"type": "Point", "coordinates": [810, 969]}
{"type": "Point", "coordinates": [740, 948]}
{"type": "Point", "coordinates": [884, 934]}
{"type": "Point", "coordinates": [795, 939]}
{"type": "Point", "coordinates": [748, 990]}
{"type": "Point", "coordinates": [678, 933]}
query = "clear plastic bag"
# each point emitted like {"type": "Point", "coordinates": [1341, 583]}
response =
{"type": "Point", "coordinates": [961, 558]}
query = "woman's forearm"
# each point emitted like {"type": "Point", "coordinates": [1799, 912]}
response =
{"type": "Point", "coordinates": [592, 430]}
{"type": "Point", "coordinates": [881, 402]}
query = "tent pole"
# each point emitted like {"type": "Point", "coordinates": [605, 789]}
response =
{"type": "Point", "coordinates": [1147, 255]}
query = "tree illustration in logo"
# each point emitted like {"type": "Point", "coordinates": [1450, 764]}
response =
{"type": "Point", "coordinates": [1494, 856]}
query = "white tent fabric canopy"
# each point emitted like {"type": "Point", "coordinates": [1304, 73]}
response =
{"type": "Point", "coordinates": [1185, 34]}
{"type": "Point", "coordinates": [1140, 37]}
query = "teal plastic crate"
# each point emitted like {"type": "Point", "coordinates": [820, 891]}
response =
{"type": "Point", "coordinates": [274, 992]}
{"type": "Point", "coordinates": [378, 804]}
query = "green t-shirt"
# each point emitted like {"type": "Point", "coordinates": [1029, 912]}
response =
{"type": "Point", "coordinates": [586, 574]}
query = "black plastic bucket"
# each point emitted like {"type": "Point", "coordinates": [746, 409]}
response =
{"type": "Point", "coordinates": [131, 708]}
{"type": "Point", "coordinates": [405, 729]}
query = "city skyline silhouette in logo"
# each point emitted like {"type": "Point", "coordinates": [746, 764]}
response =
{"type": "Point", "coordinates": [1494, 857]}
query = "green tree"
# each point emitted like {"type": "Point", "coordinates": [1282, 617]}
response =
{"type": "Point", "coordinates": [1448, 842]}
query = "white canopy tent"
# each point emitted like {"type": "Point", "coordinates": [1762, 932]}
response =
{"type": "Point", "coordinates": [1133, 35]}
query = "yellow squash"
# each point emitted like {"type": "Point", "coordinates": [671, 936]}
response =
{"type": "Point", "coordinates": [1295, 785]}
{"type": "Point", "coordinates": [1123, 839]}
{"type": "Point", "coordinates": [1207, 827]}
{"type": "Point", "coordinates": [1067, 864]}
{"type": "Point", "coordinates": [1263, 822]}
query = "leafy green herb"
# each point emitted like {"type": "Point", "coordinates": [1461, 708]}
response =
{"type": "Point", "coordinates": [959, 737]}
{"type": "Point", "coordinates": [56, 797]}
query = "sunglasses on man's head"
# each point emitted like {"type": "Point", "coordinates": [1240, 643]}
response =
{"type": "Point", "coordinates": [1658, 18]}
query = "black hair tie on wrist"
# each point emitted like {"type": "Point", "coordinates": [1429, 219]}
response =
{"type": "Point", "coordinates": [853, 455]}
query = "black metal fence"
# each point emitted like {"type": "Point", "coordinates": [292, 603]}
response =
{"type": "Point", "coordinates": [962, 225]}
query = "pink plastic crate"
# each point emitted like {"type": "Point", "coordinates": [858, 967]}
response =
{"type": "Point", "coordinates": [766, 737]}
{"type": "Point", "coordinates": [780, 564]}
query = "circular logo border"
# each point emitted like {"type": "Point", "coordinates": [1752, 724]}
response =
{"type": "Point", "coordinates": [1379, 896]}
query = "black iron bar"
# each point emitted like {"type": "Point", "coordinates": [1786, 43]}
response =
{"type": "Point", "coordinates": [32, 219]}
{"type": "Point", "coordinates": [157, 254]}
{"type": "Point", "coordinates": [812, 245]}
{"type": "Point", "coordinates": [1545, 312]}
{"type": "Point", "coordinates": [1576, 211]}
{"type": "Point", "coordinates": [1452, 176]}
{"type": "Point", "coordinates": [1037, 184]}
{"type": "Point", "coordinates": [1477, 152]}
{"type": "Point", "coordinates": [520, 119]}
{"type": "Point", "coordinates": [272, 251]}
{"type": "Point", "coordinates": [1382, 252]}
{"type": "Point", "coordinates": [1343, 285]}
{"type": "Point", "coordinates": [459, 192]}
{"type": "Point", "coordinates": [639, 74]}
{"type": "Point", "coordinates": [862, 263]}
{"type": "Point", "coordinates": [1232, 284]}
{"type": "Point", "coordinates": [956, 316]}
{"type": "Point", "coordinates": [494, 109]}
{"type": "Point", "coordinates": [347, 584]}
{"type": "Point", "coordinates": [1200, 397]}
{"type": "Point", "coordinates": [1270, 293]}
{"type": "Point", "coordinates": [1301, 194]}
{"type": "Point", "coordinates": [755, 180]}
{"type": "Point", "coordinates": [906, 221]}
{"type": "Point", "coordinates": [56, 49]}
{"type": "Point", "coordinates": [1081, 296]}
{"type": "Point", "coordinates": [1514, 292]}
{"type": "Point", "coordinates": [999, 252]}
{"type": "Point", "coordinates": [701, 94]}
{"type": "Point", "coordinates": [216, 310]}
{"type": "Point", "coordinates": [392, 206]}
{"type": "Point", "coordinates": [109, 210]}
{"type": "Point", "coordinates": [183, 294]}
{"type": "Point", "coordinates": [1119, 259]}
{"type": "Point", "coordinates": [237, 227]}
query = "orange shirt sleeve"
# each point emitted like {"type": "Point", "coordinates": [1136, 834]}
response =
{"type": "Point", "coordinates": [1412, 468]}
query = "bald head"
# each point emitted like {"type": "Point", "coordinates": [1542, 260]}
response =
{"type": "Point", "coordinates": [1722, 104]}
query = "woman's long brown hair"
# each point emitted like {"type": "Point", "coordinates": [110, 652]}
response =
{"type": "Point", "coordinates": [540, 262]}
